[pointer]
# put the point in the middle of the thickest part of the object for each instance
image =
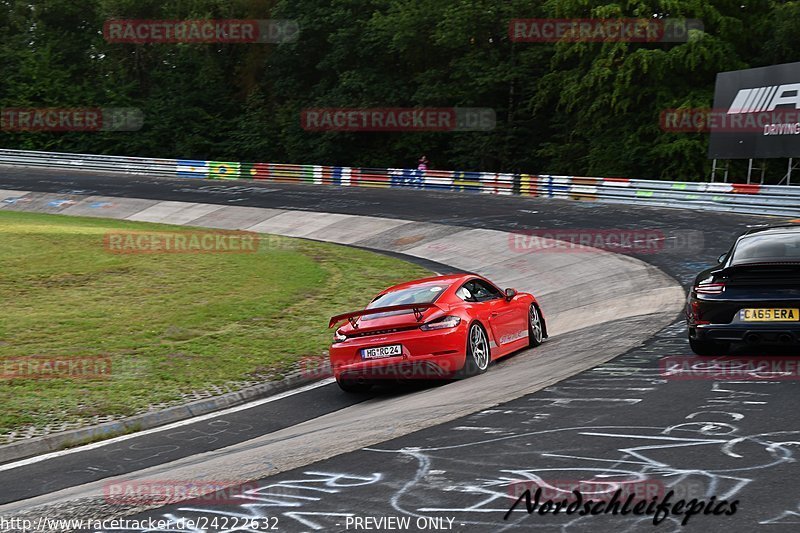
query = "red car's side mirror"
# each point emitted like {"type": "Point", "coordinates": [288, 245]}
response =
{"type": "Point", "coordinates": [510, 293]}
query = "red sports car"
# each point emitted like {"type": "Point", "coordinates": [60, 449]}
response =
{"type": "Point", "coordinates": [441, 327]}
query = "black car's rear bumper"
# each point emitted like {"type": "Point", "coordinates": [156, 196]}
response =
{"type": "Point", "coordinates": [716, 318]}
{"type": "Point", "coordinates": [776, 333]}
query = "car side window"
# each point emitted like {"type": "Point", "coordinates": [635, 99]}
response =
{"type": "Point", "coordinates": [485, 292]}
{"type": "Point", "coordinates": [477, 291]}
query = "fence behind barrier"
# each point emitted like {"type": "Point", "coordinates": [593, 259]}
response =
{"type": "Point", "coordinates": [733, 197]}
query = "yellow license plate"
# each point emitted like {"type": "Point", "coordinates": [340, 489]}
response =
{"type": "Point", "coordinates": [770, 315]}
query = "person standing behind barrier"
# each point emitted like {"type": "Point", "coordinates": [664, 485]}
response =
{"type": "Point", "coordinates": [423, 163]}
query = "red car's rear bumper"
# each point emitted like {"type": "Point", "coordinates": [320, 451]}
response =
{"type": "Point", "coordinates": [425, 355]}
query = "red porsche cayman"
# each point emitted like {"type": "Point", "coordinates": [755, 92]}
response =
{"type": "Point", "coordinates": [441, 327]}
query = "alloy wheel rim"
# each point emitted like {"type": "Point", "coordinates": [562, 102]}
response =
{"type": "Point", "coordinates": [536, 324]}
{"type": "Point", "coordinates": [478, 346]}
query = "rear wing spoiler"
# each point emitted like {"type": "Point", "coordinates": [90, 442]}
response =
{"type": "Point", "coordinates": [755, 264]}
{"type": "Point", "coordinates": [772, 262]}
{"type": "Point", "coordinates": [418, 309]}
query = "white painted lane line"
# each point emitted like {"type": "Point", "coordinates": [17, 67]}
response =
{"type": "Point", "coordinates": [100, 444]}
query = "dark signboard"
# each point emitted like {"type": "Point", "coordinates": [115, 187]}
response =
{"type": "Point", "coordinates": [756, 113]}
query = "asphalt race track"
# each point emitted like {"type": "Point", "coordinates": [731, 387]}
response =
{"type": "Point", "coordinates": [621, 421]}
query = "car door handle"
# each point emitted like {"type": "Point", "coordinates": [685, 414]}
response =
{"type": "Point", "coordinates": [494, 314]}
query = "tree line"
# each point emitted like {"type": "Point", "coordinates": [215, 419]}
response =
{"type": "Point", "coordinates": [578, 108]}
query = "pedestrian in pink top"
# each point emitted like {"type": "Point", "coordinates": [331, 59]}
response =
{"type": "Point", "coordinates": [423, 163]}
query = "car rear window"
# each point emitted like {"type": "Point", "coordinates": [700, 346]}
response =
{"type": "Point", "coordinates": [767, 248]}
{"type": "Point", "coordinates": [421, 294]}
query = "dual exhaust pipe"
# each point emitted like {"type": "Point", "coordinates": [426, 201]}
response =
{"type": "Point", "coordinates": [755, 339]}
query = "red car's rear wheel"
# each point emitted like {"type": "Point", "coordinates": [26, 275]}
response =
{"type": "Point", "coordinates": [478, 354]}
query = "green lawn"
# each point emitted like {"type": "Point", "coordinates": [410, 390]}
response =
{"type": "Point", "coordinates": [170, 323]}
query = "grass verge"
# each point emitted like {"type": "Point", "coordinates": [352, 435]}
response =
{"type": "Point", "coordinates": [169, 324]}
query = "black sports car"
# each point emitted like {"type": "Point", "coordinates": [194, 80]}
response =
{"type": "Point", "coordinates": [751, 296]}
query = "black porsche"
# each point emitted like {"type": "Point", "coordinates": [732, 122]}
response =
{"type": "Point", "coordinates": [751, 296]}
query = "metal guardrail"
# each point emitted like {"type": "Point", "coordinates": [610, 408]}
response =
{"type": "Point", "coordinates": [739, 198]}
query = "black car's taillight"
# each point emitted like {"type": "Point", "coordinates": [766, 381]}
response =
{"type": "Point", "coordinates": [709, 288]}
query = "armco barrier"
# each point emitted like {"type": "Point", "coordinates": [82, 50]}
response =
{"type": "Point", "coordinates": [740, 198]}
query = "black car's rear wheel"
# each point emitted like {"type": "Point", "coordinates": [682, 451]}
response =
{"type": "Point", "coordinates": [710, 348]}
{"type": "Point", "coordinates": [478, 354]}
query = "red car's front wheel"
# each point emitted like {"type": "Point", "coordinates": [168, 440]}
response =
{"type": "Point", "coordinates": [535, 328]}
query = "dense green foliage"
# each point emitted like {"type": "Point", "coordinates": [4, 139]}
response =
{"type": "Point", "coordinates": [579, 108]}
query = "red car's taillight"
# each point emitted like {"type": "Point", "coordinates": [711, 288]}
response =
{"type": "Point", "coordinates": [339, 337]}
{"type": "Point", "coordinates": [710, 288]}
{"type": "Point", "coordinates": [442, 323]}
